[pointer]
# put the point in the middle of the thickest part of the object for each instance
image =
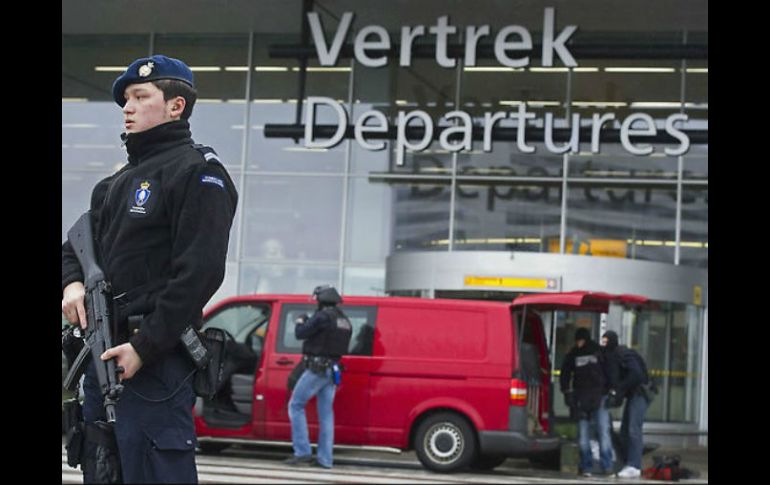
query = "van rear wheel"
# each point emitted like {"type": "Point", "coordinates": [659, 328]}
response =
{"type": "Point", "coordinates": [445, 442]}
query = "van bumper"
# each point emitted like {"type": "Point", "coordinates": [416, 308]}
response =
{"type": "Point", "coordinates": [515, 444]}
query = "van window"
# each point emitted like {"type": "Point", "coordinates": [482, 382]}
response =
{"type": "Point", "coordinates": [362, 318]}
{"type": "Point", "coordinates": [240, 320]}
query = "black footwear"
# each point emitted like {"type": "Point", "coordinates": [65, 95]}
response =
{"type": "Point", "coordinates": [316, 463]}
{"type": "Point", "coordinates": [299, 460]}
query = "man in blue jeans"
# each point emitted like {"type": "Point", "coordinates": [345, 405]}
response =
{"type": "Point", "coordinates": [627, 374]}
{"type": "Point", "coordinates": [326, 338]}
{"type": "Point", "coordinates": [583, 381]}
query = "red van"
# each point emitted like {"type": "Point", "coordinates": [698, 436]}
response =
{"type": "Point", "coordinates": [461, 382]}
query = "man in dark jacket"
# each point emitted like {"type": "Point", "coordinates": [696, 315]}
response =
{"type": "Point", "coordinates": [583, 381]}
{"type": "Point", "coordinates": [161, 227]}
{"type": "Point", "coordinates": [627, 373]}
{"type": "Point", "coordinates": [326, 338]}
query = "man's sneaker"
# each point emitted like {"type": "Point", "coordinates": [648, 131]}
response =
{"type": "Point", "coordinates": [629, 472]}
{"type": "Point", "coordinates": [318, 464]}
{"type": "Point", "coordinates": [586, 474]}
{"type": "Point", "coordinates": [299, 460]}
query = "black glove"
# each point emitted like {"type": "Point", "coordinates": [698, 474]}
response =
{"type": "Point", "coordinates": [614, 399]}
{"type": "Point", "coordinates": [569, 399]}
{"type": "Point", "coordinates": [301, 319]}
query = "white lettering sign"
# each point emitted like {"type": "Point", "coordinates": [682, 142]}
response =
{"type": "Point", "coordinates": [643, 125]}
{"type": "Point", "coordinates": [512, 47]}
{"type": "Point", "coordinates": [329, 54]}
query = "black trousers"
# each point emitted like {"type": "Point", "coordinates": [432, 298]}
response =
{"type": "Point", "coordinates": [154, 425]}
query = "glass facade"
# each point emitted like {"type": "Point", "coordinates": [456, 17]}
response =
{"type": "Point", "coordinates": [667, 335]}
{"type": "Point", "coordinates": [310, 216]}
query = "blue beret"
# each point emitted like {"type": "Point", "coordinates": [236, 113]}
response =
{"type": "Point", "coordinates": [150, 69]}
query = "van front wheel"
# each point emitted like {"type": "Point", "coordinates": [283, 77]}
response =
{"type": "Point", "coordinates": [445, 443]}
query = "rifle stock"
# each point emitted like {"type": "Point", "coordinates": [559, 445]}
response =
{"type": "Point", "coordinates": [98, 300]}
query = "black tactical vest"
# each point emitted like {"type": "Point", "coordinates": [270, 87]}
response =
{"type": "Point", "coordinates": [333, 341]}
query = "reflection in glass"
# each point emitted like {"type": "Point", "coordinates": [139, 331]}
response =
{"type": "Point", "coordinates": [292, 218]}
{"type": "Point", "coordinates": [507, 216]}
{"type": "Point", "coordinates": [615, 162]}
{"type": "Point", "coordinates": [695, 228]}
{"type": "Point", "coordinates": [696, 163]}
{"type": "Point", "coordinates": [421, 216]}
{"type": "Point", "coordinates": [369, 212]}
{"type": "Point", "coordinates": [632, 223]}
{"type": "Point", "coordinates": [285, 278]}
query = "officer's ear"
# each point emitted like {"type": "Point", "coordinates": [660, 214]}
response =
{"type": "Point", "coordinates": [177, 106]}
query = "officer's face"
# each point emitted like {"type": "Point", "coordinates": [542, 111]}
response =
{"type": "Point", "coordinates": [145, 108]}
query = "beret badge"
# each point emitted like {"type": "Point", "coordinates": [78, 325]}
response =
{"type": "Point", "coordinates": [146, 69]}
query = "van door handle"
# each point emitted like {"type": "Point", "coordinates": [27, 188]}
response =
{"type": "Point", "coordinates": [284, 362]}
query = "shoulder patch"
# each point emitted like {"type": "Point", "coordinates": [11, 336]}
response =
{"type": "Point", "coordinates": [210, 179]}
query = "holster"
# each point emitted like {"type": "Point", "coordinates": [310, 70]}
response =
{"type": "Point", "coordinates": [210, 379]}
{"type": "Point", "coordinates": [106, 467]}
{"type": "Point", "coordinates": [74, 428]}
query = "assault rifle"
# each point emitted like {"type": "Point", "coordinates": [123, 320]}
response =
{"type": "Point", "coordinates": [98, 301]}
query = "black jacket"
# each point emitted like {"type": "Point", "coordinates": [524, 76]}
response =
{"type": "Point", "coordinates": [584, 371]}
{"type": "Point", "coordinates": [626, 370]}
{"type": "Point", "coordinates": [162, 225]}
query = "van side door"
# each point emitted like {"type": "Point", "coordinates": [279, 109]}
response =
{"type": "Point", "coordinates": [246, 326]}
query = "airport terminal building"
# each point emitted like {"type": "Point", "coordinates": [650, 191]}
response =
{"type": "Point", "coordinates": [466, 149]}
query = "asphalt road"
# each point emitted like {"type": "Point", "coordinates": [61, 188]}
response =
{"type": "Point", "coordinates": [264, 464]}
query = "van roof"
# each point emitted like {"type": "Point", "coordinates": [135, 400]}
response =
{"type": "Point", "coordinates": [577, 300]}
{"type": "Point", "coordinates": [574, 300]}
{"type": "Point", "coordinates": [364, 300]}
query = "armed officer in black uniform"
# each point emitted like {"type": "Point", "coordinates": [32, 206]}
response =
{"type": "Point", "coordinates": [161, 227]}
{"type": "Point", "coordinates": [326, 338]}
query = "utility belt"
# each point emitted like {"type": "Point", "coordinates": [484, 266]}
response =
{"type": "Point", "coordinates": [318, 363]}
{"type": "Point", "coordinates": [133, 305]}
{"type": "Point", "coordinates": [191, 340]}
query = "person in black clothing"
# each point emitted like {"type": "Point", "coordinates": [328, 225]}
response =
{"type": "Point", "coordinates": [161, 227]}
{"type": "Point", "coordinates": [326, 338]}
{"type": "Point", "coordinates": [584, 384]}
{"type": "Point", "coordinates": [627, 373]}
